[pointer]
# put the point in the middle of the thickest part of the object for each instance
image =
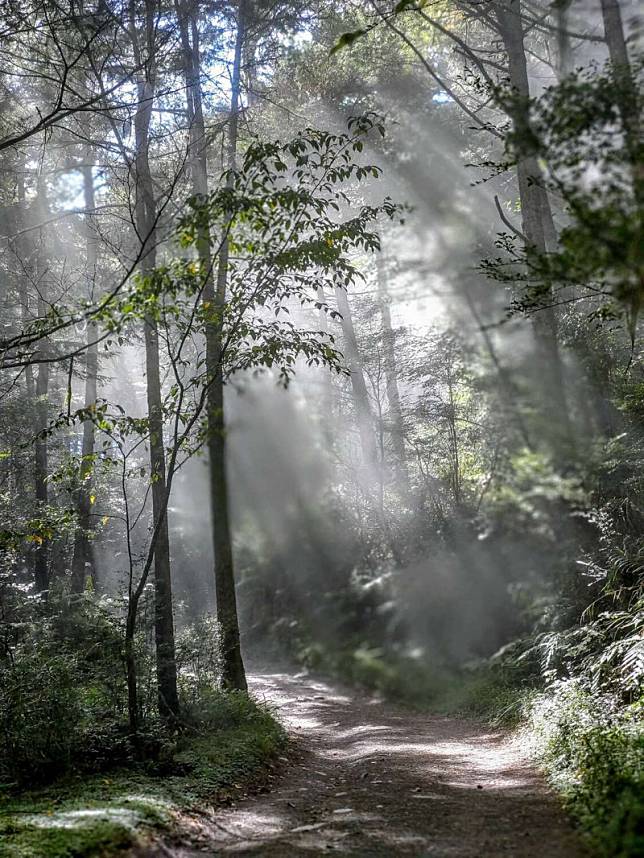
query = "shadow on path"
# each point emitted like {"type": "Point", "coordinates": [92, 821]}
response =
{"type": "Point", "coordinates": [377, 780]}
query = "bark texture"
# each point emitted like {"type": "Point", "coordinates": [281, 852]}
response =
{"type": "Point", "coordinates": [146, 220]}
{"type": "Point", "coordinates": [538, 225]}
{"type": "Point", "coordinates": [83, 568]}
{"type": "Point", "coordinates": [214, 298]}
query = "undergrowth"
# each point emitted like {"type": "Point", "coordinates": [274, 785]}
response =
{"type": "Point", "coordinates": [228, 747]}
{"type": "Point", "coordinates": [593, 752]}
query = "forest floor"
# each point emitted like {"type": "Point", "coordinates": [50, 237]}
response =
{"type": "Point", "coordinates": [367, 777]}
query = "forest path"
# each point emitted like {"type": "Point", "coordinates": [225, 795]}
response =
{"type": "Point", "coordinates": [375, 779]}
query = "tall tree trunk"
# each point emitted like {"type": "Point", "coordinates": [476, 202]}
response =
{"type": "Point", "coordinates": [395, 418]}
{"type": "Point", "coordinates": [22, 251]}
{"type": "Point", "coordinates": [628, 100]}
{"type": "Point", "coordinates": [614, 34]}
{"type": "Point", "coordinates": [538, 224]}
{"type": "Point", "coordinates": [214, 296]}
{"type": "Point", "coordinates": [41, 453]}
{"type": "Point", "coordinates": [364, 417]}
{"type": "Point", "coordinates": [326, 397]}
{"type": "Point", "coordinates": [41, 411]}
{"type": "Point", "coordinates": [83, 566]}
{"type": "Point", "coordinates": [626, 93]}
{"type": "Point", "coordinates": [563, 38]}
{"type": "Point", "coordinates": [234, 675]}
{"type": "Point", "coordinates": [146, 216]}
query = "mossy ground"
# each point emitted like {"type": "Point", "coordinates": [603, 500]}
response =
{"type": "Point", "coordinates": [102, 815]}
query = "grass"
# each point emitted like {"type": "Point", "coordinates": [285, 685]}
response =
{"type": "Point", "coordinates": [79, 817]}
{"type": "Point", "coordinates": [495, 694]}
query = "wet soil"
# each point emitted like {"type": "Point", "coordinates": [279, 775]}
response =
{"type": "Point", "coordinates": [371, 778]}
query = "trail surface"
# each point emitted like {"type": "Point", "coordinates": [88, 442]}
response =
{"type": "Point", "coordinates": [375, 779]}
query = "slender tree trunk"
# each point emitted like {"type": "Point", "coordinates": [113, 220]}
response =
{"type": "Point", "coordinates": [626, 93]}
{"type": "Point", "coordinates": [83, 566]}
{"type": "Point", "coordinates": [453, 435]}
{"type": "Point", "coordinates": [41, 457]}
{"type": "Point", "coordinates": [395, 418]}
{"type": "Point", "coordinates": [214, 296]}
{"type": "Point", "coordinates": [614, 34]}
{"type": "Point", "coordinates": [326, 384]}
{"type": "Point", "coordinates": [563, 39]}
{"type": "Point", "coordinates": [234, 675]}
{"type": "Point", "coordinates": [146, 217]}
{"type": "Point", "coordinates": [628, 100]}
{"type": "Point", "coordinates": [538, 224]}
{"type": "Point", "coordinates": [41, 412]}
{"type": "Point", "coordinates": [361, 403]}
{"type": "Point", "coordinates": [22, 252]}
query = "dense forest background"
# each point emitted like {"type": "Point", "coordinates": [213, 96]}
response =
{"type": "Point", "coordinates": [321, 345]}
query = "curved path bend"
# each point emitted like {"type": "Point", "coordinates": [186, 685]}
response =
{"type": "Point", "coordinates": [372, 778]}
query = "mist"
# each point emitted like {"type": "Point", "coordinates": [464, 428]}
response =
{"type": "Point", "coordinates": [321, 414]}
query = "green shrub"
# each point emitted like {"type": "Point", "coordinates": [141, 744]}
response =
{"type": "Point", "coordinates": [39, 715]}
{"type": "Point", "coordinates": [198, 655]}
{"type": "Point", "coordinates": [218, 710]}
{"type": "Point", "coordinates": [593, 751]}
{"type": "Point", "coordinates": [486, 693]}
{"type": "Point", "coordinates": [63, 696]}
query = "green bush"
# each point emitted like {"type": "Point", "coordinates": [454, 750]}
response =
{"type": "Point", "coordinates": [218, 710]}
{"type": "Point", "coordinates": [593, 751]}
{"type": "Point", "coordinates": [198, 655]}
{"type": "Point", "coordinates": [40, 712]}
{"type": "Point", "coordinates": [62, 697]}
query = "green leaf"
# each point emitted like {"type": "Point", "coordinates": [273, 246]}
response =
{"type": "Point", "coordinates": [346, 40]}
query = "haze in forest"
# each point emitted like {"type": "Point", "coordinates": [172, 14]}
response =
{"type": "Point", "coordinates": [320, 359]}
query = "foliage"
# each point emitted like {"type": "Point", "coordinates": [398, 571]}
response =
{"type": "Point", "coordinates": [233, 749]}
{"type": "Point", "coordinates": [61, 704]}
{"type": "Point", "coordinates": [594, 753]}
{"type": "Point", "coordinates": [63, 698]}
{"type": "Point", "coordinates": [582, 131]}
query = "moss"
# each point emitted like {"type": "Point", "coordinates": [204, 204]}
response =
{"type": "Point", "coordinates": [22, 840]}
{"type": "Point", "coordinates": [229, 749]}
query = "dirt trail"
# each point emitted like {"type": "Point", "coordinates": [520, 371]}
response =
{"type": "Point", "coordinates": [375, 779]}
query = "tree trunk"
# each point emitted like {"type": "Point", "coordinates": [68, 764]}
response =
{"type": "Point", "coordinates": [626, 93]}
{"type": "Point", "coordinates": [83, 567]}
{"type": "Point", "coordinates": [214, 296]}
{"type": "Point", "coordinates": [361, 403]}
{"type": "Point", "coordinates": [146, 216]}
{"type": "Point", "coordinates": [234, 675]}
{"type": "Point", "coordinates": [395, 419]}
{"type": "Point", "coordinates": [326, 397]}
{"type": "Point", "coordinates": [41, 456]}
{"type": "Point", "coordinates": [41, 414]}
{"type": "Point", "coordinates": [614, 34]}
{"type": "Point", "coordinates": [563, 38]}
{"type": "Point", "coordinates": [628, 103]}
{"type": "Point", "coordinates": [538, 224]}
{"type": "Point", "coordinates": [22, 252]}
